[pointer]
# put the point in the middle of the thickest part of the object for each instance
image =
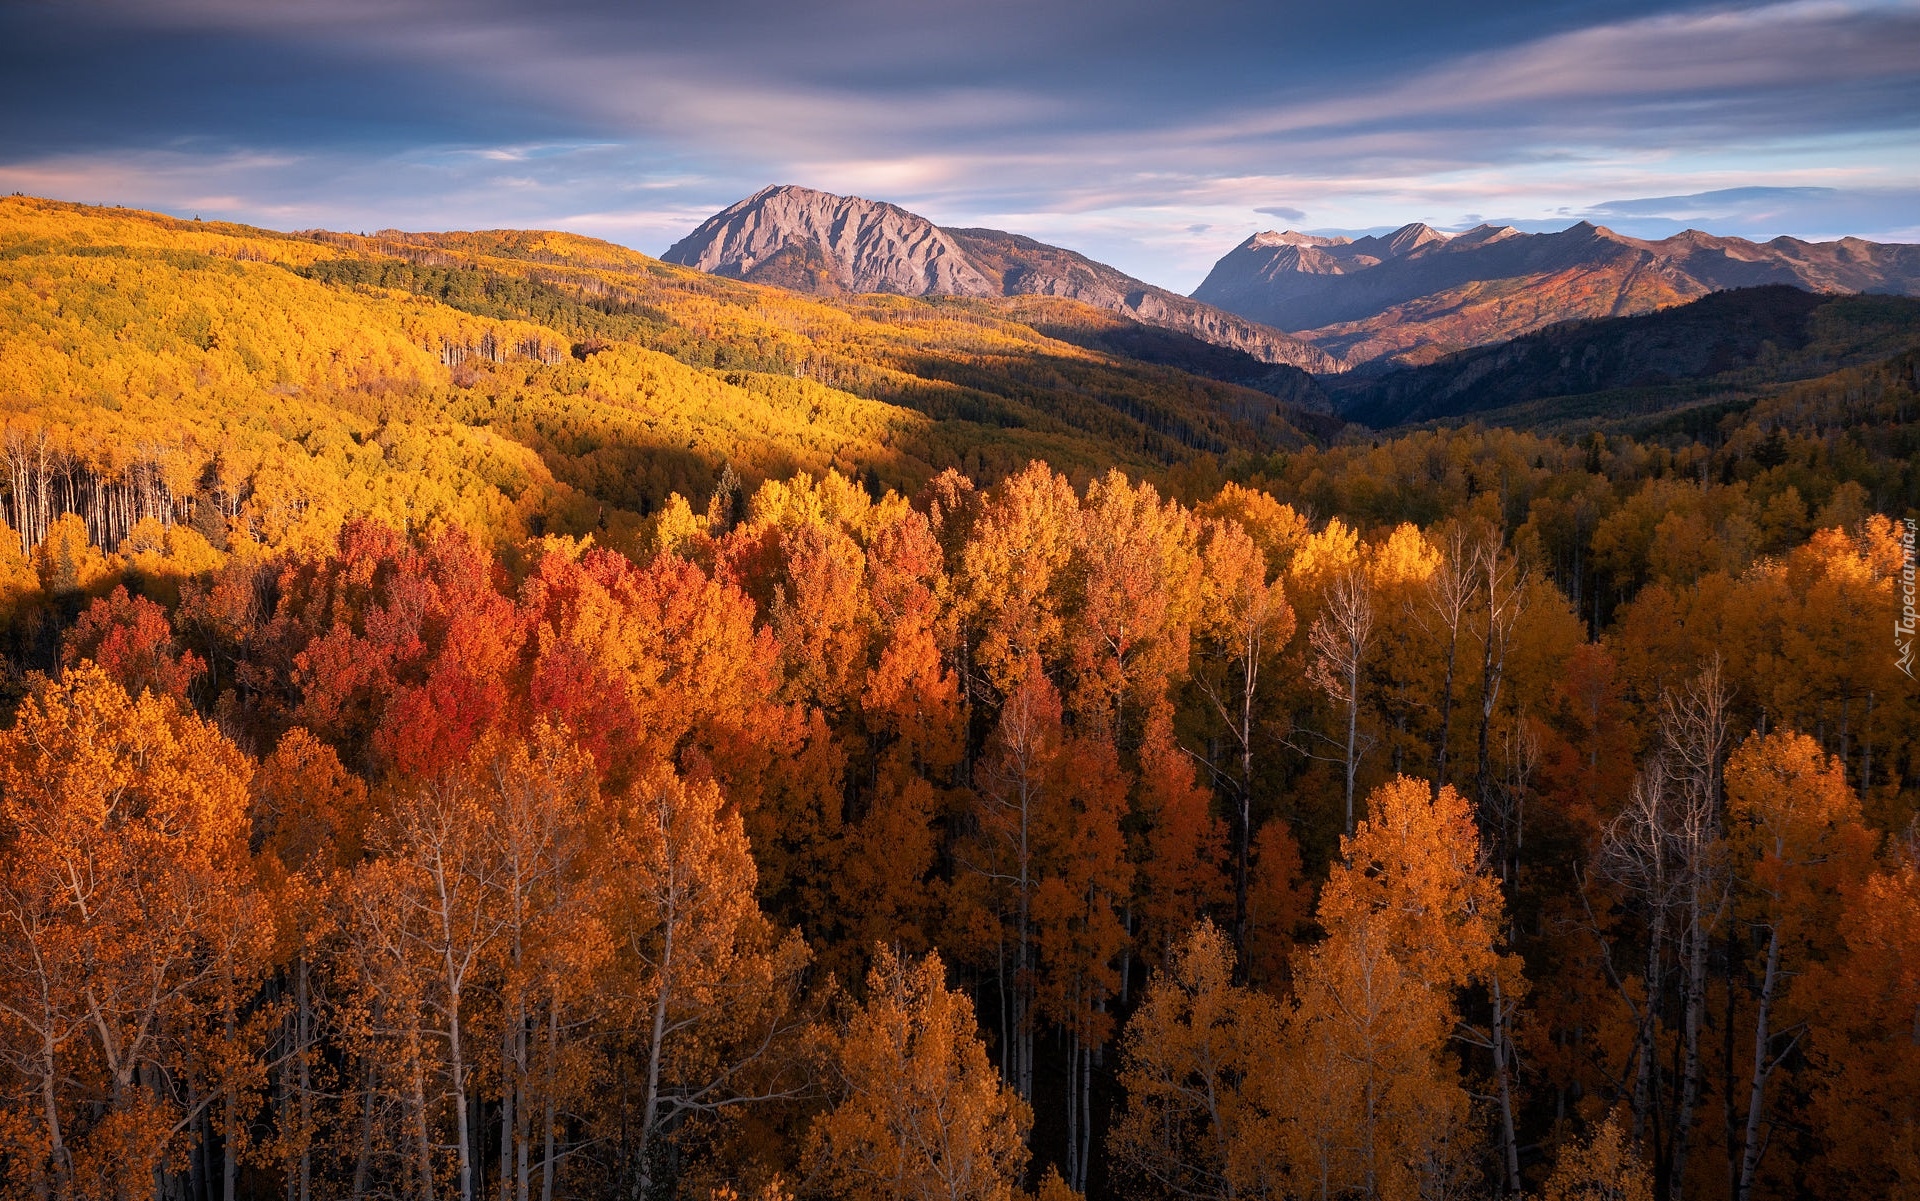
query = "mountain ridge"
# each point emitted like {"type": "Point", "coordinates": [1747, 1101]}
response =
{"type": "Point", "coordinates": [1416, 294]}
{"type": "Point", "coordinates": [812, 241]}
{"type": "Point", "coordinates": [1739, 340]}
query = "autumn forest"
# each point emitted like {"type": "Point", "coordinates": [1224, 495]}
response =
{"type": "Point", "coordinates": [498, 716]}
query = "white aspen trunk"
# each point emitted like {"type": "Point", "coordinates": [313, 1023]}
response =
{"type": "Point", "coordinates": [1023, 964]}
{"type": "Point", "coordinates": [1006, 1008]}
{"type": "Point", "coordinates": [553, 1057]}
{"type": "Point", "coordinates": [1086, 1111]}
{"type": "Point", "coordinates": [229, 1106]}
{"type": "Point", "coordinates": [50, 1110]}
{"type": "Point", "coordinates": [1243, 853]}
{"type": "Point", "coordinates": [656, 1044]}
{"type": "Point", "coordinates": [1489, 695]}
{"type": "Point", "coordinates": [508, 1084]}
{"type": "Point", "coordinates": [1353, 733]}
{"type": "Point", "coordinates": [1695, 1008]}
{"type": "Point", "coordinates": [1644, 1051]}
{"type": "Point", "coordinates": [303, 1037]}
{"type": "Point", "coordinates": [1446, 710]}
{"type": "Point", "coordinates": [1370, 1180]}
{"type": "Point", "coordinates": [284, 1097]}
{"type": "Point", "coordinates": [424, 1142]}
{"type": "Point", "coordinates": [1752, 1146]}
{"type": "Point", "coordinates": [1073, 1110]}
{"type": "Point", "coordinates": [523, 1113]}
{"type": "Point", "coordinates": [363, 1162]}
{"type": "Point", "coordinates": [1509, 1145]}
{"type": "Point", "coordinates": [456, 1063]}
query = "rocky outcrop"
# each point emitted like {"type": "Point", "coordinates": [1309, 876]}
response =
{"type": "Point", "coordinates": [817, 242]}
{"type": "Point", "coordinates": [1415, 295]}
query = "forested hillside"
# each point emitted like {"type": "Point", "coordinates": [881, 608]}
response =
{"type": "Point", "coordinates": [1725, 346]}
{"type": "Point", "coordinates": [495, 716]}
{"type": "Point", "coordinates": [516, 382]}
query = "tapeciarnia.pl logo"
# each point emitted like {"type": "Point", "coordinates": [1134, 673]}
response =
{"type": "Point", "coordinates": [1903, 625]}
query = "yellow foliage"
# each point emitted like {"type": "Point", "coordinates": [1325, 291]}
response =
{"type": "Point", "coordinates": [832, 501]}
{"type": "Point", "coordinates": [19, 582]}
{"type": "Point", "coordinates": [1322, 558]}
{"type": "Point", "coordinates": [1053, 1187]}
{"type": "Point", "coordinates": [923, 1114]}
{"type": "Point", "coordinates": [1275, 528]}
{"type": "Point", "coordinates": [67, 562]}
{"type": "Point", "coordinates": [311, 378]}
{"type": "Point", "coordinates": [161, 557]}
{"type": "Point", "coordinates": [1406, 557]}
{"type": "Point", "coordinates": [1603, 1167]}
{"type": "Point", "coordinates": [675, 527]}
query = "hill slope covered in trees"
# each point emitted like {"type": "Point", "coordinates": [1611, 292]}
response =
{"type": "Point", "coordinates": [1725, 347]}
{"type": "Point", "coordinates": [519, 381]}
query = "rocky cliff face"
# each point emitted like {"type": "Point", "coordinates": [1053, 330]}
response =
{"type": "Point", "coordinates": [817, 242]}
{"type": "Point", "coordinates": [1415, 295]}
{"type": "Point", "coordinates": [860, 245]}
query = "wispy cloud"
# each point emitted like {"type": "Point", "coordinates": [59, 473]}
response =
{"type": "Point", "coordinates": [1151, 135]}
{"type": "Point", "coordinates": [1816, 212]}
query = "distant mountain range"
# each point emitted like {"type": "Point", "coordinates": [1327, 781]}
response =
{"type": "Point", "coordinates": [1371, 304]}
{"type": "Point", "coordinates": [1416, 294]}
{"type": "Point", "coordinates": [809, 241]}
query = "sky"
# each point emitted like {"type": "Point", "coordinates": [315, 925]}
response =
{"type": "Point", "coordinates": [1150, 134]}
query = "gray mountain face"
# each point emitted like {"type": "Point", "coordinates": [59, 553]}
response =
{"type": "Point", "coordinates": [817, 242]}
{"type": "Point", "coordinates": [863, 245]}
{"type": "Point", "coordinates": [1419, 292]}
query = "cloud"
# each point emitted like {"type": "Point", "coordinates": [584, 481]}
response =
{"type": "Point", "coordinates": [1715, 203]}
{"type": "Point", "coordinates": [1760, 212]}
{"type": "Point", "coordinates": [1135, 131]}
{"type": "Point", "coordinates": [607, 192]}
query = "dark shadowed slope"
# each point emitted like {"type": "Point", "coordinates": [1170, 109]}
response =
{"type": "Point", "coordinates": [1739, 339]}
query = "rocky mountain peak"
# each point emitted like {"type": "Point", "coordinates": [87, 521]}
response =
{"type": "Point", "coordinates": [864, 245]}
{"type": "Point", "coordinates": [811, 241]}
{"type": "Point", "coordinates": [1291, 238]}
{"type": "Point", "coordinates": [1481, 235]}
{"type": "Point", "coordinates": [1406, 240]}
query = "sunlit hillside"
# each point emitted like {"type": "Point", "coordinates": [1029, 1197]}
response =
{"type": "Point", "coordinates": [516, 382]}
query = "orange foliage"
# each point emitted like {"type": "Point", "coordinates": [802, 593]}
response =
{"type": "Point", "coordinates": [131, 927]}
{"type": "Point", "coordinates": [919, 1112]}
{"type": "Point", "coordinates": [526, 891]}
